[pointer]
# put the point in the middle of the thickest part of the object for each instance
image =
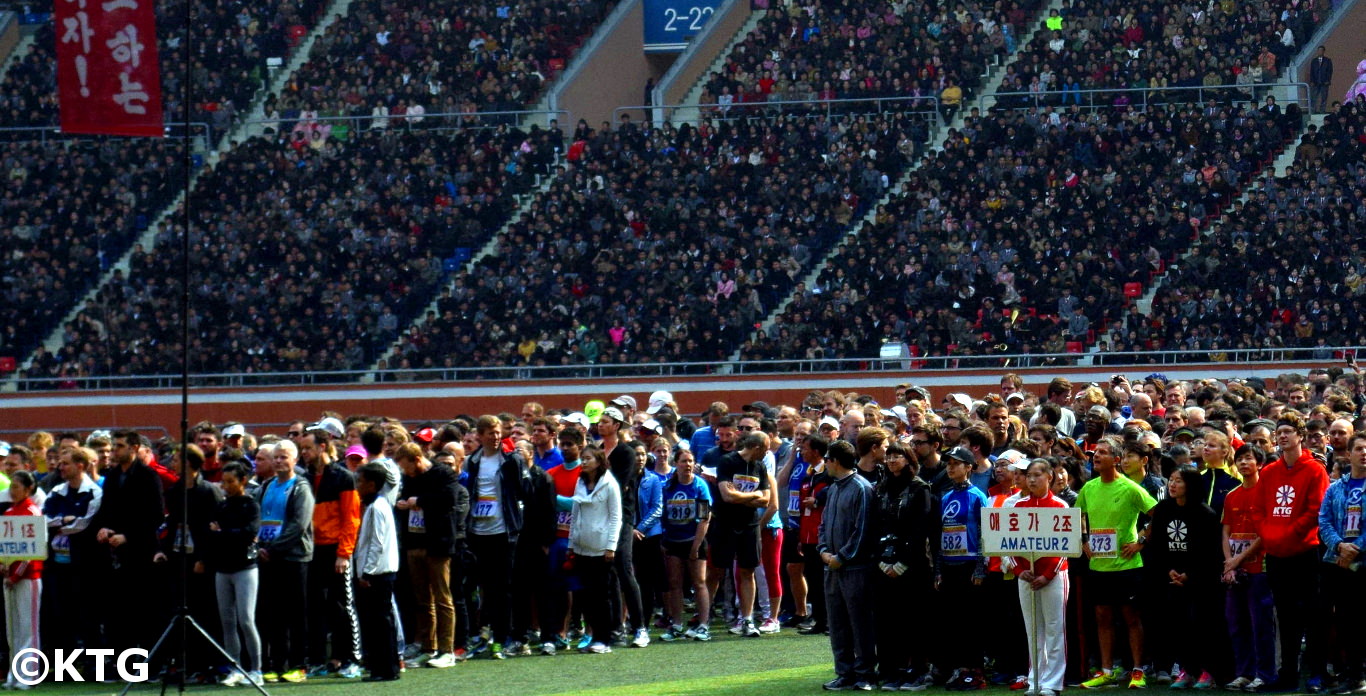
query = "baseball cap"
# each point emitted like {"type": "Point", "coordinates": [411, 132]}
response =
{"type": "Point", "coordinates": [234, 430]}
{"type": "Point", "coordinates": [425, 435]}
{"type": "Point", "coordinates": [922, 393]}
{"type": "Point", "coordinates": [357, 451]}
{"type": "Point", "coordinates": [652, 425]}
{"type": "Point", "coordinates": [593, 410]}
{"type": "Point", "coordinates": [1015, 459]}
{"type": "Point", "coordinates": [760, 406]}
{"type": "Point", "coordinates": [614, 413]}
{"type": "Point", "coordinates": [331, 426]}
{"type": "Point", "coordinates": [4, 448]}
{"type": "Point", "coordinates": [659, 400]}
{"type": "Point", "coordinates": [1015, 396]}
{"type": "Point", "coordinates": [579, 418]}
{"type": "Point", "coordinates": [830, 421]}
{"type": "Point", "coordinates": [963, 400]}
{"type": "Point", "coordinates": [624, 400]}
{"type": "Point", "coordinates": [898, 412]}
{"type": "Point", "coordinates": [1183, 432]}
{"type": "Point", "coordinates": [962, 454]}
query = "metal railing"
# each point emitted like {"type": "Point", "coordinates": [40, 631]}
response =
{"type": "Point", "coordinates": [441, 121]}
{"type": "Point", "coordinates": [1141, 359]}
{"type": "Point", "coordinates": [174, 129]}
{"type": "Point", "coordinates": [741, 111]}
{"type": "Point", "coordinates": [1142, 97]}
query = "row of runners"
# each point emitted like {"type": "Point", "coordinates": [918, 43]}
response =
{"type": "Point", "coordinates": [351, 542]}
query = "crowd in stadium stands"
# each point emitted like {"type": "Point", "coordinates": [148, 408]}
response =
{"type": "Point", "coordinates": [446, 57]}
{"type": "Point", "coordinates": [1095, 45]}
{"type": "Point", "coordinates": [371, 209]}
{"type": "Point", "coordinates": [667, 244]}
{"type": "Point", "coordinates": [69, 209]}
{"type": "Point", "coordinates": [1041, 214]}
{"type": "Point", "coordinates": [1218, 524]}
{"type": "Point", "coordinates": [229, 52]}
{"type": "Point", "coordinates": [1283, 268]}
{"type": "Point", "coordinates": [867, 49]}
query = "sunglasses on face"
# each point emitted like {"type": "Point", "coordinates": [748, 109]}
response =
{"type": "Point", "coordinates": [296, 433]}
{"type": "Point", "coordinates": [745, 428]}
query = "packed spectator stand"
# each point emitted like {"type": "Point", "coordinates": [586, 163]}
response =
{"type": "Point", "coordinates": [374, 205]}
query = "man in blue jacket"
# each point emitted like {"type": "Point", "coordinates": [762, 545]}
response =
{"type": "Point", "coordinates": [1343, 580]}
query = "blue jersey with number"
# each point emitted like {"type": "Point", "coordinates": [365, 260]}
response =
{"type": "Point", "coordinates": [685, 506]}
{"type": "Point", "coordinates": [961, 513]}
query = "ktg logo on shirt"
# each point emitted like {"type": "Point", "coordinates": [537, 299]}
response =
{"type": "Point", "coordinates": [31, 667]}
{"type": "Point", "coordinates": [1285, 499]}
{"type": "Point", "coordinates": [1176, 535]}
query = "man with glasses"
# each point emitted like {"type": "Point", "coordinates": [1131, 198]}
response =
{"type": "Point", "coordinates": [951, 430]}
{"type": "Point", "coordinates": [296, 431]}
{"type": "Point", "coordinates": [925, 444]}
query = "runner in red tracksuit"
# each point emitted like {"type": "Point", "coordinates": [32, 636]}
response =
{"type": "Point", "coordinates": [1289, 493]}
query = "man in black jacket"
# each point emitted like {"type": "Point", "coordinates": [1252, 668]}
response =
{"type": "Point", "coordinates": [499, 483]}
{"type": "Point", "coordinates": [848, 547]}
{"type": "Point", "coordinates": [130, 513]}
{"type": "Point", "coordinates": [185, 542]}
{"type": "Point", "coordinates": [1320, 78]}
{"type": "Point", "coordinates": [430, 500]}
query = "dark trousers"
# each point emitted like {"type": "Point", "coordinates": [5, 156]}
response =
{"type": "Point", "coordinates": [814, 571]}
{"type": "Point", "coordinates": [332, 610]}
{"type": "Point", "coordinates": [528, 588]}
{"type": "Point", "coordinates": [899, 603]}
{"type": "Point", "coordinates": [1295, 590]}
{"type": "Point", "coordinates": [129, 625]}
{"type": "Point", "coordinates": [649, 562]}
{"type": "Point", "coordinates": [1007, 644]}
{"type": "Point", "coordinates": [1251, 618]}
{"type": "Point", "coordinates": [595, 581]}
{"type": "Point", "coordinates": [283, 615]}
{"type": "Point", "coordinates": [961, 645]}
{"type": "Point", "coordinates": [625, 590]}
{"type": "Point", "coordinates": [556, 594]}
{"type": "Point", "coordinates": [1192, 617]}
{"type": "Point", "coordinates": [62, 623]}
{"type": "Point", "coordinates": [462, 594]}
{"type": "Point", "coordinates": [377, 625]}
{"type": "Point", "coordinates": [493, 555]}
{"type": "Point", "coordinates": [1346, 590]}
{"type": "Point", "coordinates": [853, 638]}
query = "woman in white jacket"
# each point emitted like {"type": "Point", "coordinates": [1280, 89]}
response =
{"type": "Point", "coordinates": [593, 542]}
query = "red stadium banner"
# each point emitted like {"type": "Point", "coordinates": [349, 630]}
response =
{"type": "Point", "coordinates": [108, 75]}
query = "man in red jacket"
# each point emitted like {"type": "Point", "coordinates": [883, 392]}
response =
{"type": "Point", "coordinates": [1289, 493]}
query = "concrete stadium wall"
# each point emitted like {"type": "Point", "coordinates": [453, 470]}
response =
{"type": "Point", "coordinates": [720, 30]}
{"type": "Point", "coordinates": [9, 34]}
{"type": "Point", "coordinates": [616, 73]}
{"type": "Point", "coordinates": [441, 402]}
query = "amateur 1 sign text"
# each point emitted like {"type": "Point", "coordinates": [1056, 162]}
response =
{"type": "Point", "coordinates": [23, 538]}
{"type": "Point", "coordinates": [1031, 531]}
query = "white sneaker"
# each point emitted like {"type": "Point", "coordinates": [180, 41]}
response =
{"type": "Point", "coordinates": [599, 648]}
{"type": "Point", "coordinates": [642, 638]}
{"type": "Point", "coordinates": [770, 625]}
{"type": "Point", "coordinates": [441, 661]}
{"type": "Point", "coordinates": [232, 679]}
{"type": "Point", "coordinates": [255, 677]}
{"type": "Point", "coordinates": [1255, 685]}
{"type": "Point", "coordinates": [1238, 684]}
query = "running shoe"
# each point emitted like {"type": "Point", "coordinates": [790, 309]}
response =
{"type": "Point", "coordinates": [441, 661]}
{"type": "Point", "coordinates": [1021, 684]}
{"type": "Point", "coordinates": [412, 650]}
{"type": "Point", "coordinates": [1257, 686]}
{"type": "Point", "coordinates": [641, 639]}
{"type": "Point", "coordinates": [496, 651]}
{"type": "Point", "coordinates": [1138, 679]}
{"type": "Point", "coordinates": [295, 676]}
{"type": "Point", "coordinates": [1205, 681]}
{"type": "Point", "coordinates": [1314, 685]}
{"type": "Point", "coordinates": [256, 678]}
{"type": "Point", "coordinates": [599, 648]}
{"type": "Point", "coordinates": [770, 626]}
{"type": "Point", "coordinates": [794, 621]}
{"type": "Point", "coordinates": [461, 654]}
{"type": "Point", "coordinates": [737, 627]}
{"type": "Point", "coordinates": [270, 677]}
{"type": "Point", "coordinates": [585, 641]}
{"type": "Point", "coordinates": [920, 683]}
{"type": "Point", "coordinates": [701, 634]}
{"type": "Point", "coordinates": [548, 649]}
{"type": "Point", "coordinates": [421, 660]}
{"type": "Point", "coordinates": [838, 684]}
{"type": "Point", "coordinates": [749, 630]}
{"type": "Point", "coordinates": [673, 633]}
{"type": "Point", "coordinates": [1238, 684]}
{"type": "Point", "coordinates": [351, 671]}
{"type": "Point", "coordinates": [232, 679]}
{"type": "Point", "coordinates": [1101, 680]}
{"type": "Point", "coordinates": [322, 670]}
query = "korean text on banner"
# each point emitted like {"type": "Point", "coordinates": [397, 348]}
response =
{"type": "Point", "coordinates": [108, 75]}
{"type": "Point", "coordinates": [23, 538]}
{"type": "Point", "coordinates": [1031, 531]}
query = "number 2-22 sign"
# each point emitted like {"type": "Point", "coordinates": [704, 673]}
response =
{"type": "Point", "coordinates": [1031, 531]}
{"type": "Point", "coordinates": [670, 24]}
{"type": "Point", "coordinates": [23, 538]}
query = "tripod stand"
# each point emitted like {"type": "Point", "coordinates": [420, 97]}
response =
{"type": "Point", "coordinates": [185, 622]}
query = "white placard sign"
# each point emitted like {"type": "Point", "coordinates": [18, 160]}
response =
{"type": "Point", "coordinates": [1031, 531]}
{"type": "Point", "coordinates": [23, 538]}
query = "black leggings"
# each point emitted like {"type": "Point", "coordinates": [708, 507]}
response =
{"type": "Point", "coordinates": [596, 577]}
{"type": "Point", "coordinates": [649, 562]}
{"type": "Point", "coordinates": [814, 571]}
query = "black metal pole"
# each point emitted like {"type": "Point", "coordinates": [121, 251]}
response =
{"type": "Point", "coordinates": [183, 610]}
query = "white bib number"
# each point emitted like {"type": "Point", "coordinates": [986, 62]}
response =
{"type": "Point", "coordinates": [1103, 543]}
{"type": "Point", "coordinates": [954, 540]}
{"type": "Point", "coordinates": [794, 502]}
{"type": "Point", "coordinates": [270, 529]}
{"type": "Point", "coordinates": [486, 508]}
{"type": "Point", "coordinates": [562, 520]}
{"type": "Point", "coordinates": [1238, 543]}
{"type": "Point", "coordinates": [746, 484]}
{"type": "Point", "coordinates": [1352, 529]}
{"type": "Point", "coordinates": [61, 549]}
{"type": "Point", "coordinates": [417, 521]}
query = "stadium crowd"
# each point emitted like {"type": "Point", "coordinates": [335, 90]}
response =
{"type": "Point", "coordinates": [355, 544]}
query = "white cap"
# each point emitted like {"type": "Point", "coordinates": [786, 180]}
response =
{"type": "Point", "coordinates": [614, 413]}
{"type": "Point", "coordinates": [830, 421]}
{"type": "Point", "coordinates": [962, 399]}
{"type": "Point", "coordinates": [577, 417]}
{"type": "Point", "coordinates": [1015, 459]}
{"type": "Point", "coordinates": [684, 446]}
{"type": "Point", "coordinates": [331, 426]}
{"type": "Point", "coordinates": [4, 448]}
{"type": "Point", "coordinates": [1015, 396]}
{"type": "Point", "coordinates": [659, 400]}
{"type": "Point", "coordinates": [238, 430]}
{"type": "Point", "coordinates": [898, 412]}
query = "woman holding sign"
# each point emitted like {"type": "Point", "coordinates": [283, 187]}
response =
{"type": "Point", "coordinates": [1043, 588]}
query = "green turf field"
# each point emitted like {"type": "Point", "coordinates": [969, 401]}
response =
{"type": "Point", "coordinates": [780, 664]}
